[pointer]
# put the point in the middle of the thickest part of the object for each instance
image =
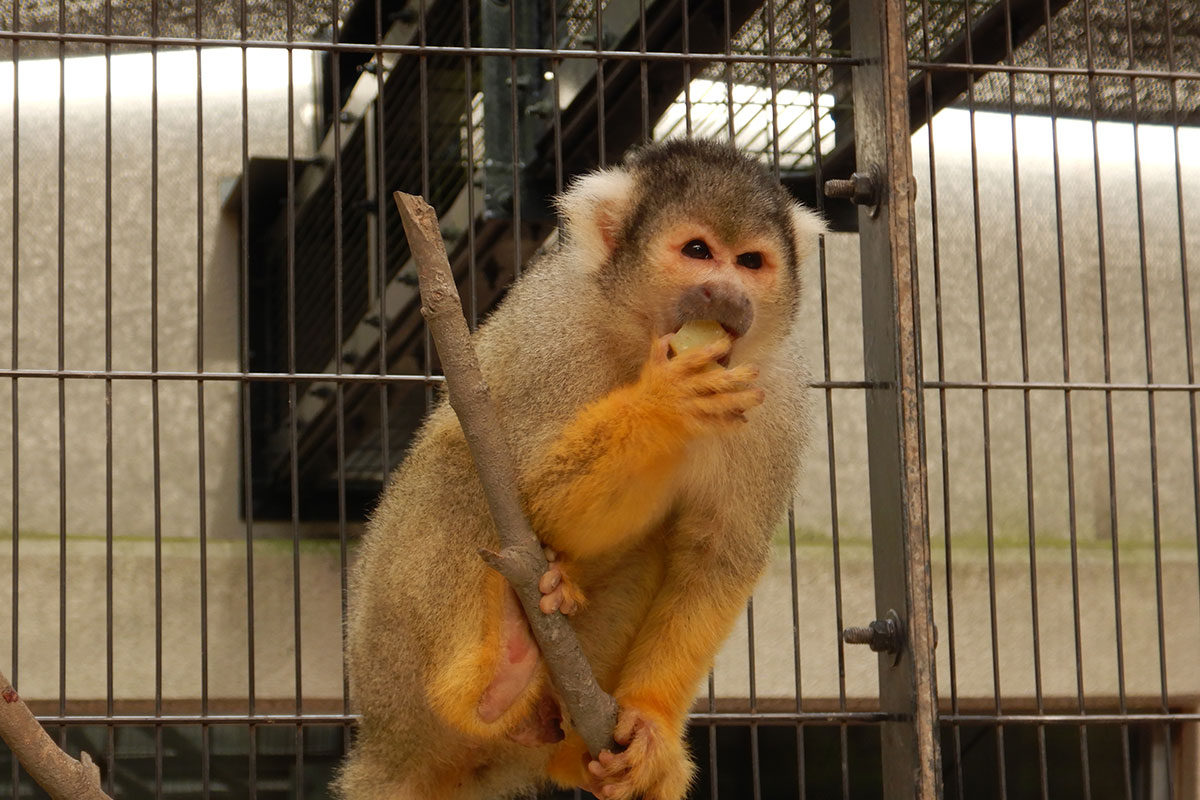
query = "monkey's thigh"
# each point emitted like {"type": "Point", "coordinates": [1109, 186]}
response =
{"type": "Point", "coordinates": [458, 770]}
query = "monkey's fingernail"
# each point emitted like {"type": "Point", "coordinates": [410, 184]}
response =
{"type": "Point", "coordinates": [596, 769]}
{"type": "Point", "coordinates": [549, 582]}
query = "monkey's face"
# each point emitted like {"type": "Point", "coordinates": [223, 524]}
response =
{"type": "Point", "coordinates": [691, 229]}
{"type": "Point", "coordinates": [741, 281]}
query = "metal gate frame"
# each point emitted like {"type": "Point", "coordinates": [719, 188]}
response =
{"type": "Point", "coordinates": [885, 189]}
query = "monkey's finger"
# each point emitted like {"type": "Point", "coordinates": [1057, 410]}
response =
{"type": "Point", "coordinates": [737, 379]}
{"type": "Point", "coordinates": [549, 581]}
{"type": "Point", "coordinates": [568, 605]}
{"type": "Point", "coordinates": [698, 359]}
{"type": "Point", "coordinates": [549, 553]}
{"type": "Point", "coordinates": [726, 406]}
{"type": "Point", "coordinates": [607, 765]}
{"type": "Point", "coordinates": [742, 400]}
{"type": "Point", "coordinates": [629, 725]}
{"type": "Point", "coordinates": [550, 602]}
{"type": "Point", "coordinates": [660, 349]}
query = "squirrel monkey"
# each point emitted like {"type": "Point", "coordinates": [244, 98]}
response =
{"type": "Point", "coordinates": [653, 479]}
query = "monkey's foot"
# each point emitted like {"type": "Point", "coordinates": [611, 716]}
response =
{"type": "Point", "coordinates": [543, 724]}
{"type": "Point", "coordinates": [560, 591]}
{"type": "Point", "coordinates": [653, 764]}
{"type": "Point", "coordinates": [515, 665]}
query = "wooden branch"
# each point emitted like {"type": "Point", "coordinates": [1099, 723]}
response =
{"type": "Point", "coordinates": [61, 776]}
{"type": "Point", "coordinates": [521, 561]}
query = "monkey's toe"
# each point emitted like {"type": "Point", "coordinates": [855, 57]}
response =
{"type": "Point", "coordinates": [559, 591]}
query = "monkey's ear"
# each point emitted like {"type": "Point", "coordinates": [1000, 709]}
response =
{"type": "Point", "coordinates": [807, 225]}
{"type": "Point", "coordinates": [593, 209]}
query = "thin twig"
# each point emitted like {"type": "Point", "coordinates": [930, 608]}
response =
{"type": "Point", "coordinates": [592, 712]}
{"type": "Point", "coordinates": [61, 776]}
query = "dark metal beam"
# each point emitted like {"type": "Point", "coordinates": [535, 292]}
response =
{"type": "Point", "coordinates": [895, 434]}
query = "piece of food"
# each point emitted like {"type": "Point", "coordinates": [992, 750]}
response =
{"type": "Point", "coordinates": [697, 333]}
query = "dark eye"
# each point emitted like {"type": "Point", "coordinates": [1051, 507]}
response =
{"type": "Point", "coordinates": [696, 248]}
{"type": "Point", "coordinates": [750, 260]}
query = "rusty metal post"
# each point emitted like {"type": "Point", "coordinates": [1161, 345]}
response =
{"type": "Point", "coordinates": [907, 679]}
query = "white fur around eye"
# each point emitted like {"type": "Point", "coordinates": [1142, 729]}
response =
{"type": "Point", "coordinates": [808, 226]}
{"type": "Point", "coordinates": [593, 208]}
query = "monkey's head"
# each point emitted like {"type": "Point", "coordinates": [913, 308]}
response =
{"type": "Point", "coordinates": [693, 229]}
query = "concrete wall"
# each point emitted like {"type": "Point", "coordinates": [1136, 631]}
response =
{"type": "Point", "coordinates": [30, 500]}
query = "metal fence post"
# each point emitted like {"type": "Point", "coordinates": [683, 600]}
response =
{"type": "Point", "coordinates": [885, 190]}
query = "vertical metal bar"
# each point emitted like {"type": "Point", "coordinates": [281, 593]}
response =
{"type": "Point", "coordinates": [62, 389]}
{"type": "Point", "coordinates": [947, 526]}
{"type": "Point", "coordinates": [380, 213]}
{"type": "Point", "coordinates": [601, 146]}
{"type": "Point", "coordinates": [556, 104]}
{"type": "Point", "coordinates": [293, 447]}
{"type": "Point", "coordinates": [155, 427]}
{"type": "Point", "coordinates": [469, 167]}
{"type": "Point", "coordinates": [728, 72]}
{"type": "Point", "coordinates": [247, 464]}
{"type": "Point", "coordinates": [205, 756]}
{"type": "Point", "coordinates": [335, 72]}
{"type": "Point", "coordinates": [712, 738]}
{"type": "Point", "coordinates": [1068, 422]}
{"type": "Point", "coordinates": [1150, 404]}
{"type": "Point", "coordinates": [16, 415]}
{"type": "Point", "coordinates": [110, 750]}
{"type": "Point", "coordinates": [755, 777]}
{"type": "Point", "coordinates": [644, 77]}
{"type": "Point", "coordinates": [423, 86]}
{"type": "Point", "coordinates": [797, 662]}
{"type": "Point", "coordinates": [985, 409]}
{"type": "Point", "coordinates": [514, 146]}
{"type": "Point", "coordinates": [1126, 759]}
{"type": "Point", "coordinates": [908, 689]}
{"type": "Point", "coordinates": [686, 46]}
{"type": "Point", "coordinates": [830, 441]}
{"type": "Point", "coordinates": [1031, 519]}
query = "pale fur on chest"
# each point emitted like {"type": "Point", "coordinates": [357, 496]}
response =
{"type": "Point", "coordinates": [704, 475]}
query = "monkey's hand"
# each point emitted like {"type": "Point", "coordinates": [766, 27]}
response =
{"type": "Point", "coordinates": [560, 590]}
{"type": "Point", "coordinates": [652, 764]}
{"type": "Point", "coordinates": [609, 477]}
{"type": "Point", "coordinates": [707, 399]}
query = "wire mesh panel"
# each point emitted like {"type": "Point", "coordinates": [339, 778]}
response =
{"type": "Point", "coordinates": [215, 357]}
{"type": "Point", "coordinates": [1060, 400]}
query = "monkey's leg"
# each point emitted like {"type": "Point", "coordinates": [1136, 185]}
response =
{"type": "Point", "coordinates": [687, 622]}
{"type": "Point", "coordinates": [487, 687]}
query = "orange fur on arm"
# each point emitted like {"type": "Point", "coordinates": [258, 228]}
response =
{"type": "Point", "coordinates": [606, 479]}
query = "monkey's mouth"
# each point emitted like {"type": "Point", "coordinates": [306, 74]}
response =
{"type": "Point", "coordinates": [704, 334]}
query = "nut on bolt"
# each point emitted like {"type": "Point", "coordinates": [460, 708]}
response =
{"type": "Point", "coordinates": [882, 636]}
{"type": "Point", "coordinates": [861, 189]}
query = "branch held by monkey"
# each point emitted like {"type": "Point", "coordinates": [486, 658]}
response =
{"type": "Point", "coordinates": [61, 776]}
{"type": "Point", "coordinates": [520, 561]}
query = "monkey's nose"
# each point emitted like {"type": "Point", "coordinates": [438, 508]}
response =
{"type": "Point", "coordinates": [717, 301]}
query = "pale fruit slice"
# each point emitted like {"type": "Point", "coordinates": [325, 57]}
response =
{"type": "Point", "coordinates": [697, 333]}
